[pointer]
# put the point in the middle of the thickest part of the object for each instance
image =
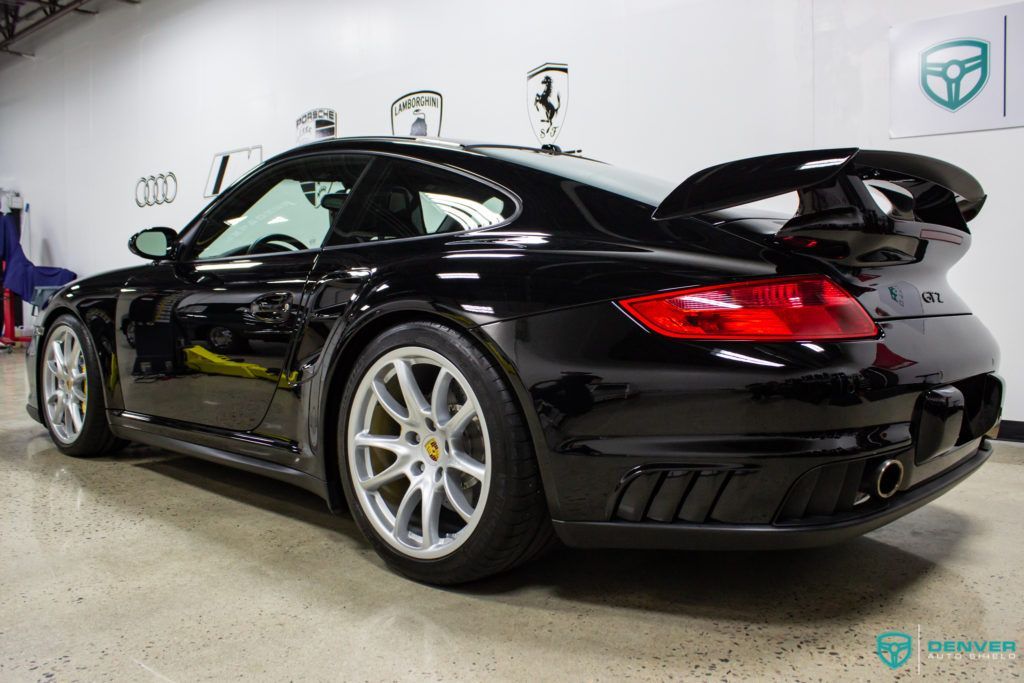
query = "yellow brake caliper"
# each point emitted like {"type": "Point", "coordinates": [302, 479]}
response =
{"type": "Point", "coordinates": [85, 385]}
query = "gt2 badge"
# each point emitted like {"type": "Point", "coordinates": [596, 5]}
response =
{"type": "Point", "coordinates": [932, 297]}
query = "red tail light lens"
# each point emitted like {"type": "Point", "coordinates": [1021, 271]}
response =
{"type": "Point", "coordinates": [776, 309]}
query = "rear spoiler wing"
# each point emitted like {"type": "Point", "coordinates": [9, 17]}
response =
{"type": "Point", "coordinates": [919, 188]}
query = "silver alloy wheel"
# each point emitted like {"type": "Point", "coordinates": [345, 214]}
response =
{"type": "Point", "coordinates": [420, 461]}
{"type": "Point", "coordinates": [65, 385]}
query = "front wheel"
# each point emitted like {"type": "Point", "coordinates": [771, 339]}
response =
{"type": "Point", "coordinates": [70, 385]}
{"type": "Point", "coordinates": [436, 462]}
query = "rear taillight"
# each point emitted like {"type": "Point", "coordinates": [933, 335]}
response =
{"type": "Point", "coordinates": [776, 309]}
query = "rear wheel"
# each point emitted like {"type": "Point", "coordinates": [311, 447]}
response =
{"type": "Point", "coordinates": [71, 390]}
{"type": "Point", "coordinates": [436, 462]}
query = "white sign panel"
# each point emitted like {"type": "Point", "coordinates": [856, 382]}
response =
{"type": "Point", "coordinates": [417, 114]}
{"type": "Point", "coordinates": [228, 166]}
{"type": "Point", "coordinates": [950, 75]}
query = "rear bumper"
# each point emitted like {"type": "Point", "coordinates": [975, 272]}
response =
{"type": "Point", "coordinates": [712, 536]}
{"type": "Point", "coordinates": [654, 442]}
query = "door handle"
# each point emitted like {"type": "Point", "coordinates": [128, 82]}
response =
{"type": "Point", "coordinates": [349, 276]}
{"type": "Point", "coordinates": [274, 307]}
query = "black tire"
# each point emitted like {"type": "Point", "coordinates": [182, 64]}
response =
{"type": "Point", "coordinates": [515, 525]}
{"type": "Point", "coordinates": [95, 437]}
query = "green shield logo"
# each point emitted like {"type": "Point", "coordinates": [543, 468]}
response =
{"type": "Point", "coordinates": [954, 72]}
{"type": "Point", "coordinates": [893, 648]}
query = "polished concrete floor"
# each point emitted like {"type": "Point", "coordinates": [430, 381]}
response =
{"type": "Point", "coordinates": [151, 566]}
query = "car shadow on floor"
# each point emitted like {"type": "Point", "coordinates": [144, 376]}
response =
{"type": "Point", "coordinates": [243, 487]}
{"type": "Point", "coordinates": [860, 577]}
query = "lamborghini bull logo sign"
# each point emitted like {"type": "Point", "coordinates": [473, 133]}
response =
{"type": "Point", "coordinates": [417, 114]}
{"type": "Point", "coordinates": [955, 71]}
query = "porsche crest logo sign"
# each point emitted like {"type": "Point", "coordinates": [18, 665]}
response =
{"type": "Point", "coordinates": [316, 124]}
{"type": "Point", "coordinates": [955, 71]}
{"type": "Point", "coordinates": [547, 100]}
{"type": "Point", "coordinates": [417, 114]}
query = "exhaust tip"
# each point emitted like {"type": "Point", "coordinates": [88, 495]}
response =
{"type": "Point", "coordinates": [888, 477]}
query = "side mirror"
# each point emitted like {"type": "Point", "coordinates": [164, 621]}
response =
{"type": "Point", "coordinates": [153, 243]}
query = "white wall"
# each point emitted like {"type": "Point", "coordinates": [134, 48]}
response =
{"type": "Point", "coordinates": [664, 86]}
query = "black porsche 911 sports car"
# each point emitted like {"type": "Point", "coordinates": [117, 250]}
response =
{"type": "Point", "coordinates": [481, 348]}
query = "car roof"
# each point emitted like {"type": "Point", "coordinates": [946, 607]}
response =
{"type": "Point", "coordinates": [548, 160]}
{"type": "Point", "coordinates": [422, 143]}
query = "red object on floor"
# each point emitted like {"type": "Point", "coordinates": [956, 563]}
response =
{"type": "Point", "coordinates": [9, 334]}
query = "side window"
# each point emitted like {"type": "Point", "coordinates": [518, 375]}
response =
{"type": "Point", "coordinates": [288, 208]}
{"type": "Point", "coordinates": [409, 199]}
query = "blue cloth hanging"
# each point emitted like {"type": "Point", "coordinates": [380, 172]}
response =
{"type": "Point", "coordinates": [20, 275]}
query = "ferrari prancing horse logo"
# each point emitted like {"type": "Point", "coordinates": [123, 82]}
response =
{"type": "Point", "coordinates": [547, 99]}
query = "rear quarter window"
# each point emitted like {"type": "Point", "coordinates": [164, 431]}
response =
{"type": "Point", "coordinates": [402, 199]}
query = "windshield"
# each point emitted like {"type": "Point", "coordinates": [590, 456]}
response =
{"type": "Point", "coordinates": [643, 188]}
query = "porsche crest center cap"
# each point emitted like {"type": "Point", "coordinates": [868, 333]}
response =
{"type": "Point", "coordinates": [432, 448]}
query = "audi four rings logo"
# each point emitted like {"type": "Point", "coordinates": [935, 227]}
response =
{"type": "Point", "coordinates": [156, 189]}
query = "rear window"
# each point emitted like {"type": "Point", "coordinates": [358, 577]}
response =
{"type": "Point", "coordinates": [638, 186]}
{"type": "Point", "coordinates": [409, 199]}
